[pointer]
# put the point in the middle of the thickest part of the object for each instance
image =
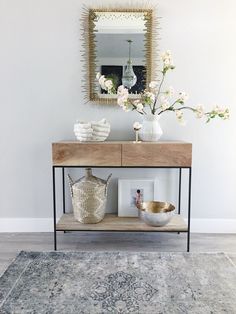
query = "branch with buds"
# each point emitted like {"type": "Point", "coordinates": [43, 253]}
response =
{"type": "Point", "coordinates": [158, 101]}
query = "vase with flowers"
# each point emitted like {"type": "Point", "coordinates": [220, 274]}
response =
{"type": "Point", "coordinates": [155, 101]}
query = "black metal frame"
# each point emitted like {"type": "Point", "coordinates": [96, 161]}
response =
{"type": "Point", "coordinates": [163, 167]}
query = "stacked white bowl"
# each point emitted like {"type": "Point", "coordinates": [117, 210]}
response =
{"type": "Point", "coordinates": [92, 131]}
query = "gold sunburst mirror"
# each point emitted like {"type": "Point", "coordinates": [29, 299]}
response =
{"type": "Point", "coordinates": [122, 45]}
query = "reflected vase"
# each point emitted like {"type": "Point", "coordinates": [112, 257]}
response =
{"type": "Point", "coordinates": [151, 130]}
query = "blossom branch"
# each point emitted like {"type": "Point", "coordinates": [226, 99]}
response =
{"type": "Point", "coordinates": [150, 97]}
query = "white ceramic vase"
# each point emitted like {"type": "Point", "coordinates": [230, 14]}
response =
{"type": "Point", "coordinates": [151, 130]}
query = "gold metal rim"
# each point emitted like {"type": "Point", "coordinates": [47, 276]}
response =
{"type": "Point", "coordinates": [156, 207]}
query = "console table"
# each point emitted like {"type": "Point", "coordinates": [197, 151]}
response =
{"type": "Point", "coordinates": [74, 154]}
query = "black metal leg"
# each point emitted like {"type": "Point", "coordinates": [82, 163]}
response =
{"type": "Point", "coordinates": [180, 179]}
{"type": "Point", "coordinates": [179, 199]}
{"type": "Point", "coordinates": [189, 208]}
{"type": "Point", "coordinates": [54, 208]}
{"type": "Point", "coordinates": [63, 190]}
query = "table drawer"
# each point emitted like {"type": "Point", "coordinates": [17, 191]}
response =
{"type": "Point", "coordinates": [157, 154]}
{"type": "Point", "coordinates": [86, 154]}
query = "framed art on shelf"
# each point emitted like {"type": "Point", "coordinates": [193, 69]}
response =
{"type": "Point", "coordinates": [131, 191]}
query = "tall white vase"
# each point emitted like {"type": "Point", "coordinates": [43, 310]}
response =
{"type": "Point", "coordinates": [151, 130]}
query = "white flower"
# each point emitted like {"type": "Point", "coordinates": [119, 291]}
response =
{"type": "Point", "coordinates": [102, 81]}
{"type": "Point", "coordinates": [165, 105]}
{"type": "Point", "coordinates": [121, 100]}
{"type": "Point", "coordinates": [122, 95]}
{"type": "Point", "coordinates": [153, 84]}
{"type": "Point", "coordinates": [166, 55]}
{"type": "Point", "coordinates": [221, 112]}
{"type": "Point", "coordinates": [226, 114]}
{"type": "Point", "coordinates": [167, 60]}
{"type": "Point", "coordinates": [105, 83]}
{"type": "Point", "coordinates": [199, 111]}
{"type": "Point", "coordinates": [169, 92]}
{"type": "Point", "coordinates": [122, 91]}
{"type": "Point", "coordinates": [164, 102]}
{"type": "Point", "coordinates": [137, 126]}
{"type": "Point", "coordinates": [217, 109]}
{"type": "Point", "coordinates": [150, 95]}
{"type": "Point", "coordinates": [139, 107]}
{"type": "Point", "coordinates": [179, 116]}
{"type": "Point", "coordinates": [126, 107]}
{"type": "Point", "coordinates": [108, 84]}
{"type": "Point", "coordinates": [183, 96]}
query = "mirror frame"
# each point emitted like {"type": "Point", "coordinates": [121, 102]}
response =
{"type": "Point", "coordinates": [89, 49]}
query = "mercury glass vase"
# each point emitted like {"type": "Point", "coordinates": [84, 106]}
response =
{"type": "Point", "coordinates": [151, 130]}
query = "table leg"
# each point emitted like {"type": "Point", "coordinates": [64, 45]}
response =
{"type": "Point", "coordinates": [179, 200]}
{"type": "Point", "coordinates": [63, 190]}
{"type": "Point", "coordinates": [54, 208]}
{"type": "Point", "coordinates": [189, 208]}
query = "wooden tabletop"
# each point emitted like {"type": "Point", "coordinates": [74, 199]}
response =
{"type": "Point", "coordinates": [121, 142]}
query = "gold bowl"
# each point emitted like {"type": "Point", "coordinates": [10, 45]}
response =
{"type": "Point", "coordinates": [156, 213]}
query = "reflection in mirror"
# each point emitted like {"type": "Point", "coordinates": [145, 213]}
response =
{"type": "Point", "coordinates": [120, 53]}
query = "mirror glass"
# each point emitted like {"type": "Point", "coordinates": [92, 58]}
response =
{"type": "Point", "coordinates": [120, 51]}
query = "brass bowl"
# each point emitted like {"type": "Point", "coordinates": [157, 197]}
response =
{"type": "Point", "coordinates": [156, 213]}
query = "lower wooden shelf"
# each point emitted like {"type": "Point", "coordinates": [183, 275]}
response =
{"type": "Point", "coordinates": [112, 222]}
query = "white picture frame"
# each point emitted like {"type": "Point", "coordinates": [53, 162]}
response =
{"type": "Point", "coordinates": [129, 189]}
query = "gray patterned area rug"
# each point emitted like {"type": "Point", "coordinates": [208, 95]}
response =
{"type": "Point", "coordinates": [114, 282]}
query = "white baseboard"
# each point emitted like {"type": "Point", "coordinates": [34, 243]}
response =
{"type": "Point", "coordinates": [46, 225]}
{"type": "Point", "coordinates": [213, 225]}
{"type": "Point", "coordinates": [26, 224]}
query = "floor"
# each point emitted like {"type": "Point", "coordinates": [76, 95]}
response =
{"type": "Point", "coordinates": [12, 243]}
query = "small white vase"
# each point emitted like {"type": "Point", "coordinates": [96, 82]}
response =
{"type": "Point", "coordinates": [151, 130]}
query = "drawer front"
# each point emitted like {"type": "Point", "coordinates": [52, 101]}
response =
{"type": "Point", "coordinates": [157, 154]}
{"type": "Point", "coordinates": [79, 154]}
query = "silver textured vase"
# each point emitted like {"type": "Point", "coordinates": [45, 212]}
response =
{"type": "Point", "coordinates": [89, 196]}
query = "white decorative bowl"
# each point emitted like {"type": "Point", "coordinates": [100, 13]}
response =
{"type": "Point", "coordinates": [92, 131]}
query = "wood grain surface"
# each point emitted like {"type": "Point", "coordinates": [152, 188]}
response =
{"type": "Point", "coordinates": [112, 222]}
{"type": "Point", "coordinates": [122, 154]}
{"type": "Point", "coordinates": [89, 154]}
{"type": "Point", "coordinates": [162, 154]}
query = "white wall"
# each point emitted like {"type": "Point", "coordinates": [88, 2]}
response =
{"type": "Point", "coordinates": [41, 97]}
